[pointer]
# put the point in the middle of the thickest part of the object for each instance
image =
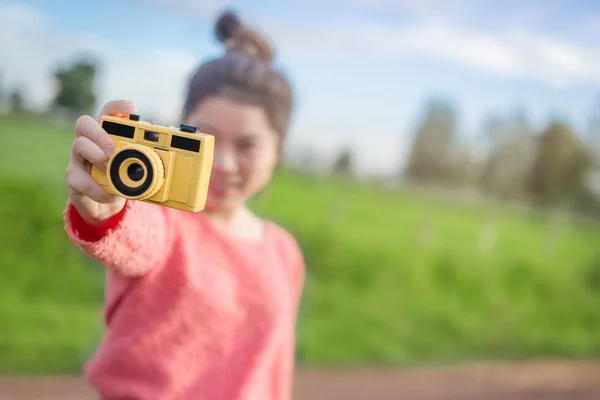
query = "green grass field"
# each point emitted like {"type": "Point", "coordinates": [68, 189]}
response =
{"type": "Point", "coordinates": [393, 277]}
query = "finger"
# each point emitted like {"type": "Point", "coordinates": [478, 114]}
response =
{"type": "Point", "coordinates": [89, 127]}
{"type": "Point", "coordinates": [82, 183]}
{"type": "Point", "coordinates": [86, 150]}
{"type": "Point", "coordinates": [118, 108]}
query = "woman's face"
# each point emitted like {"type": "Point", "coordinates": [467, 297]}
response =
{"type": "Point", "coordinates": [246, 151]}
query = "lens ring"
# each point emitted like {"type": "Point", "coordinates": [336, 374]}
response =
{"type": "Point", "coordinates": [115, 177]}
{"type": "Point", "coordinates": [125, 169]}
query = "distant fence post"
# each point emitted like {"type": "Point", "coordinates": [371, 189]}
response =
{"type": "Point", "coordinates": [488, 237]}
{"type": "Point", "coordinates": [426, 235]}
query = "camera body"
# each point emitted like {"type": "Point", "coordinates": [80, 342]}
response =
{"type": "Point", "coordinates": [165, 165]}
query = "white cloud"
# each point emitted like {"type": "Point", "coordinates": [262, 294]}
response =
{"type": "Point", "coordinates": [30, 49]}
{"type": "Point", "coordinates": [515, 53]}
{"type": "Point", "coordinates": [439, 34]}
{"type": "Point", "coordinates": [202, 8]}
{"type": "Point", "coordinates": [18, 14]}
{"type": "Point", "coordinates": [423, 8]}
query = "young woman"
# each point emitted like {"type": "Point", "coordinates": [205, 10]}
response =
{"type": "Point", "coordinates": [198, 306]}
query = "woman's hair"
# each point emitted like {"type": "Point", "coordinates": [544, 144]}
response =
{"type": "Point", "coordinates": [244, 72]}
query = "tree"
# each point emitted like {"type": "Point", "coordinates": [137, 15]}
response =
{"type": "Point", "coordinates": [76, 87]}
{"type": "Point", "coordinates": [560, 167]}
{"type": "Point", "coordinates": [511, 153]}
{"type": "Point", "coordinates": [17, 104]}
{"type": "Point", "coordinates": [432, 151]}
{"type": "Point", "coordinates": [344, 164]}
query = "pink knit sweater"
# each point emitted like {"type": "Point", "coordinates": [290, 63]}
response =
{"type": "Point", "coordinates": [191, 313]}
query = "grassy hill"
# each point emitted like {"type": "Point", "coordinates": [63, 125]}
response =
{"type": "Point", "coordinates": [393, 276]}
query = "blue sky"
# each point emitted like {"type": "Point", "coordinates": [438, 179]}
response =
{"type": "Point", "coordinates": [362, 69]}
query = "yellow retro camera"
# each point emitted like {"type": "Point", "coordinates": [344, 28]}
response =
{"type": "Point", "coordinates": [158, 164]}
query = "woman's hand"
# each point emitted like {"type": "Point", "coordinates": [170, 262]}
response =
{"type": "Point", "coordinates": [93, 146]}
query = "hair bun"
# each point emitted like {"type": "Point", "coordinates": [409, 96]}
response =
{"type": "Point", "coordinates": [226, 25]}
{"type": "Point", "coordinates": [238, 38]}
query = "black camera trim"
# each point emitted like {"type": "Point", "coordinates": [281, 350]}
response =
{"type": "Point", "coordinates": [118, 183]}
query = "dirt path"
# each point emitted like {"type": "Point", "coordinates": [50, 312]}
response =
{"type": "Point", "coordinates": [531, 381]}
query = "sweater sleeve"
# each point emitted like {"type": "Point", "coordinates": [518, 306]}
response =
{"type": "Point", "coordinates": [131, 243]}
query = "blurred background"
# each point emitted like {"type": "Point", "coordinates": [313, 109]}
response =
{"type": "Point", "coordinates": [442, 173]}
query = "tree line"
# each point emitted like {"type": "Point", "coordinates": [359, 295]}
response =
{"type": "Point", "coordinates": [555, 167]}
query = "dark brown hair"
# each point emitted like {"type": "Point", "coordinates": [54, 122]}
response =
{"type": "Point", "coordinates": [245, 72]}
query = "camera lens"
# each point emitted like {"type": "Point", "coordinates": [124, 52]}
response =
{"type": "Point", "coordinates": [135, 172]}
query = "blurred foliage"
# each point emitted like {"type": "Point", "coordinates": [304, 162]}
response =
{"type": "Point", "coordinates": [560, 165]}
{"type": "Point", "coordinates": [394, 276]}
{"type": "Point", "coordinates": [554, 168]}
{"type": "Point", "coordinates": [431, 160]}
{"type": "Point", "coordinates": [76, 87]}
{"type": "Point", "coordinates": [50, 295]}
{"type": "Point", "coordinates": [505, 174]}
{"type": "Point", "coordinates": [16, 101]}
{"type": "Point", "coordinates": [344, 164]}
